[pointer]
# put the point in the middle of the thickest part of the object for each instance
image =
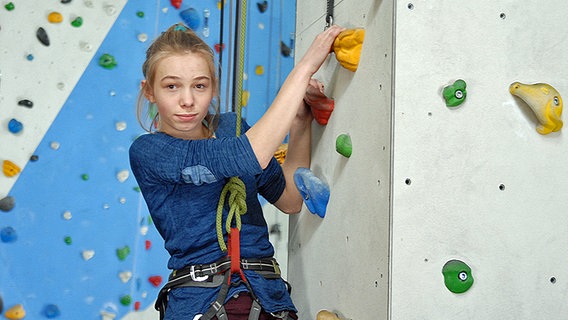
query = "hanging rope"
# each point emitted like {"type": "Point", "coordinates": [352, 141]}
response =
{"type": "Point", "coordinates": [235, 186]}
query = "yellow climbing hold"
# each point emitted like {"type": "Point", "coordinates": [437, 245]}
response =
{"type": "Point", "coordinates": [347, 48]}
{"type": "Point", "coordinates": [10, 169]}
{"type": "Point", "coordinates": [245, 98]}
{"type": "Point", "coordinates": [55, 17]}
{"type": "Point", "coordinates": [16, 312]}
{"type": "Point", "coordinates": [259, 70]}
{"type": "Point", "coordinates": [280, 153]}
{"type": "Point", "coordinates": [545, 102]}
{"type": "Point", "coordinates": [326, 315]}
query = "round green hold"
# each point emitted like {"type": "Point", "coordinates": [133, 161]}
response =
{"type": "Point", "coordinates": [107, 61]}
{"type": "Point", "coordinates": [457, 276]}
{"type": "Point", "coordinates": [125, 300]}
{"type": "Point", "coordinates": [10, 6]}
{"type": "Point", "coordinates": [77, 22]}
{"type": "Point", "coordinates": [343, 145]}
{"type": "Point", "coordinates": [455, 94]}
{"type": "Point", "coordinates": [140, 14]}
{"type": "Point", "coordinates": [68, 240]}
{"type": "Point", "coordinates": [85, 177]}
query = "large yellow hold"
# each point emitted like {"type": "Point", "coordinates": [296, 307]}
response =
{"type": "Point", "coordinates": [347, 48]}
{"type": "Point", "coordinates": [16, 312]}
{"type": "Point", "coordinates": [544, 101]}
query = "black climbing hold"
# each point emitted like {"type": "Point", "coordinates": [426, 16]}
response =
{"type": "Point", "coordinates": [286, 51]}
{"type": "Point", "coordinates": [262, 6]}
{"type": "Point", "coordinates": [42, 36]}
{"type": "Point", "coordinates": [34, 158]}
{"type": "Point", "coordinates": [65, 1]}
{"type": "Point", "coordinates": [1, 305]}
{"type": "Point", "coordinates": [7, 204]}
{"type": "Point", "coordinates": [25, 103]}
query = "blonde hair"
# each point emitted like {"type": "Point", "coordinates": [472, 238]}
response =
{"type": "Point", "coordinates": [178, 39]}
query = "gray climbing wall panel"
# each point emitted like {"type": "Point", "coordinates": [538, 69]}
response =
{"type": "Point", "coordinates": [341, 262]}
{"type": "Point", "coordinates": [475, 183]}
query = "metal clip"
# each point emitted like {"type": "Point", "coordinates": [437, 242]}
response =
{"type": "Point", "coordinates": [196, 278]}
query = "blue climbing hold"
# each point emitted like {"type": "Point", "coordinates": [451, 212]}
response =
{"type": "Point", "coordinates": [191, 18]}
{"type": "Point", "coordinates": [15, 126]}
{"type": "Point", "coordinates": [51, 311]}
{"type": "Point", "coordinates": [314, 191]}
{"type": "Point", "coordinates": [8, 234]}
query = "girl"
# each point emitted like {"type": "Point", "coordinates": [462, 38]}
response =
{"type": "Point", "coordinates": [182, 167]}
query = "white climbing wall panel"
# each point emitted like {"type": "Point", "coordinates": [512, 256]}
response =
{"type": "Point", "coordinates": [475, 183]}
{"type": "Point", "coordinates": [51, 72]}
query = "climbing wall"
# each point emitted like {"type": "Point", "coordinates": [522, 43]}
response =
{"type": "Point", "coordinates": [447, 208]}
{"type": "Point", "coordinates": [76, 240]}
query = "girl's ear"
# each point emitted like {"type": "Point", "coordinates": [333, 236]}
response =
{"type": "Point", "coordinates": [148, 92]}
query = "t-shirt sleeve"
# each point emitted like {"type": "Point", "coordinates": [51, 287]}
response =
{"type": "Point", "coordinates": [160, 158]}
{"type": "Point", "coordinates": [271, 182]}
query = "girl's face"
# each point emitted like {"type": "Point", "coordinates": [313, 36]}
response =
{"type": "Point", "coordinates": [182, 91]}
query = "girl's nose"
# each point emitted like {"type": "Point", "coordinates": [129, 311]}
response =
{"type": "Point", "coordinates": [186, 99]}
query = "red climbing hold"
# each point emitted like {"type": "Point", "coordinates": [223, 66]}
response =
{"type": "Point", "coordinates": [156, 281]}
{"type": "Point", "coordinates": [219, 47]}
{"type": "Point", "coordinates": [137, 305]}
{"type": "Point", "coordinates": [176, 3]}
{"type": "Point", "coordinates": [320, 104]}
{"type": "Point", "coordinates": [148, 244]}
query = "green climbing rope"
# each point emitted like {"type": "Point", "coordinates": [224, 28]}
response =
{"type": "Point", "coordinates": [235, 186]}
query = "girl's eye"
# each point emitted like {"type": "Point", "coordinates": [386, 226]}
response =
{"type": "Point", "coordinates": [200, 86]}
{"type": "Point", "coordinates": [171, 86]}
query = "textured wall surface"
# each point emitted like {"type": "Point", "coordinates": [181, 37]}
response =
{"type": "Point", "coordinates": [428, 183]}
{"type": "Point", "coordinates": [77, 226]}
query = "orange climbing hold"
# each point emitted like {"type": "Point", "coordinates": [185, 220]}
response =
{"type": "Point", "coordinates": [55, 17]}
{"type": "Point", "coordinates": [10, 169]}
{"type": "Point", "coordinates": [347, 48]}
{"type": "Point", "coordinates": [16, 312]}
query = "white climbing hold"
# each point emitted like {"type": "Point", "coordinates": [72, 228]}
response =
{"type": "Point", "coordinates": [88, 254]}
{"type": "Point", "coordinates": [67, 215]}
{"type": "Point", "coordinates": [122, 175]}
{"type": "Point", "coordinates": [120, 126]}
{"type": "Point", "coordinates": [125, 276]}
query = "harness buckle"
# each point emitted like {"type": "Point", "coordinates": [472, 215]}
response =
{"type": "Point", "coordinates": [194, 277]}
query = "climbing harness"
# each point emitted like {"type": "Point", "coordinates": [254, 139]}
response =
{"type": "Point", "coordinates": [218, 274]}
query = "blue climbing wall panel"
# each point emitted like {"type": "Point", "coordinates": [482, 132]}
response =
{"type": "Point", "coordinates": [85, 242]}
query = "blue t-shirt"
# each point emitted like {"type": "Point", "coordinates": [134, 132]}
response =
{"type": "Point", "coordinates": [181, 181]}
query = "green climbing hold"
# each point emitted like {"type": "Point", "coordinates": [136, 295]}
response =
{"type": "Point", "coordinates": [77, 22]}
{"type": "Point", "coordinates": [457, 276]}
{"type": "Point", "coordinates": [455, 94]}
{"type": "Point", "coordinates": [85, 177]}
{"type": "Point", "coordinates": [68, 240]}
{"type": "Point", "coordinates": [125, 300]}
{"type": "Point", "coordinates": [140, 14]}
{"type": "Point", "coordinates": [137, 189]}
{"type": "Point", "coordinates": [343, 145]}
{"type": "Point", "coordinates": [10, 6]}
{"type": "Point", "coordinates": [107, 61]}
{"type": "Point", "coordinates": [123, 252]}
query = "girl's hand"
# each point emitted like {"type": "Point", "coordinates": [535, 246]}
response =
{"type": "Point", "coordinates": [320, 105]}
{"type": "Point", "coordinates": [320, 48]}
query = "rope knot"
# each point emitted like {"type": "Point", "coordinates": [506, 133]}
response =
{"type": "Point", "coordinates": [237, 207]}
